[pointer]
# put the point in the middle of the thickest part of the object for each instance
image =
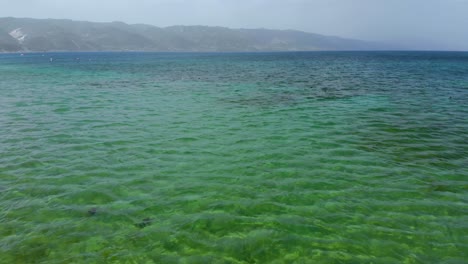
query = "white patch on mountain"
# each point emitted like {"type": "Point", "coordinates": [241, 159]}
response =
{"type": "Point", "coordinates": [18, 35]}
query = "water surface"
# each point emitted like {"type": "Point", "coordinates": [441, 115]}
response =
{"type": "Point", "coordinates": [333, 157]}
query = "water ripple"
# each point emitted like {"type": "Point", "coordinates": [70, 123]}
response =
{"type": "Point", "coordinates": [235, 158]}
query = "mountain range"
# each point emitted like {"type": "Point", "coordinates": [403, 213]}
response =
{"type": "Point", "coordinates": [27, 34]}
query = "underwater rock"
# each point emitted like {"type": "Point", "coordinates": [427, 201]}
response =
{"type": "Point", "coordinates": [92, 211]}
{"type": "Point", "coordinates": [146, 222]}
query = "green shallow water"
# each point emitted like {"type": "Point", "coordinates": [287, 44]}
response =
{"type": "Point", "coordinates": [348, 157]}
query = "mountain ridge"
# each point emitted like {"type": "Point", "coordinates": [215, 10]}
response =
{"type": "Point", "coordinates": [29, 34]}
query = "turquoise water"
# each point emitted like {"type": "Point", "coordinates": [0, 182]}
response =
{"type": "Point", "coordinates": [333, 157]}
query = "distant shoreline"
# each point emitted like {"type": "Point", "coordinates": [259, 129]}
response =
{"type": "Point", "coordinates": [21, 34]}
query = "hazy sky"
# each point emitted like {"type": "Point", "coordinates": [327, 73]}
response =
{"type": "Point", "coordinates": [424, 24]}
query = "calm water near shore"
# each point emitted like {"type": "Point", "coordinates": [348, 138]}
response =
{"type": "Point", "coordinates": [320, 157]}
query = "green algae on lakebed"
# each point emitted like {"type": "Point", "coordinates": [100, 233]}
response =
{"type": "Point", "coordinates": [333, 157]}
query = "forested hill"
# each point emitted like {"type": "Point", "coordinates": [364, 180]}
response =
{"type": "Point", "coordinates": [25, 34]}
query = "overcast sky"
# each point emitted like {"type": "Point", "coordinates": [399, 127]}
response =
{"type": "Point", "coordinates": [424, 24]}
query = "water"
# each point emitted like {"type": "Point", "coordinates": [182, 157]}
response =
{"type": "Point", "coordinates": [334, 157]}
